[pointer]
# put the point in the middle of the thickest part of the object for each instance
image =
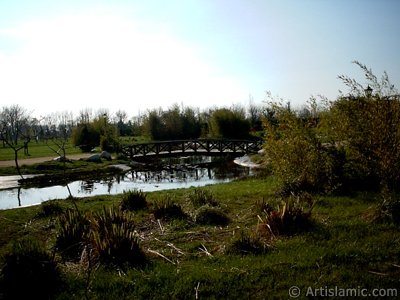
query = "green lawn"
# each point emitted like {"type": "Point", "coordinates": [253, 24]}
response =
{"type": "Point", "coordinates": [40, 149]}
{"type": "Point", "coordinates": [343, 249]}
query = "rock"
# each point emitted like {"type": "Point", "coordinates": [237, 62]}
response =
{"type": "Point", "coordinates": [61, 158]}
{"type": "Point", "coordinates": [106, 155]}
{"type": "Point", "coordinates": [94, 158]}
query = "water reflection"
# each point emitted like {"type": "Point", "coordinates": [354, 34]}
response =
{"type": "Point", "coordinates": [177, 174]}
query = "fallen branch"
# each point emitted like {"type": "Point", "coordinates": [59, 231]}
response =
{"type": "Point", "coordinates": [169, 244]}
{"type": "Point", "coordinates": [205, 251]}
{"type": "Point", "coordinates": [197, 290]}
{"type": "Point", "coordinates": [159, 254]}
{"type": "Point", "coordinates": [378, 273]}
{"type": "Point", "coordinates": [161, 227]}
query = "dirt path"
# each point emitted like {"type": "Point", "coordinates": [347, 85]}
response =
{"type": "Point", "coordinates": [38, 160]}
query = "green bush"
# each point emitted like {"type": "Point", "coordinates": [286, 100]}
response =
{"type": "Point", "coordinates": [296, 149]}
{"type": "Point", "coordinates": [207, 215]}
{"type": "Point", "coordinates": [370, 132]}
{"type": "Point", "coordinates": [353, 142]}
{"type": "Point", "coordinates": [133, 200]}
{"type": "Point", "coordinates": [29, 272]}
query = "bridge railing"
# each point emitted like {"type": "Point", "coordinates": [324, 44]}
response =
{"type": "Point", "coordinates": [200, 146]}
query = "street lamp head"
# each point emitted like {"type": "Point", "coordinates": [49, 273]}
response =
{"type": "Point", "coordinates": [368, 91]}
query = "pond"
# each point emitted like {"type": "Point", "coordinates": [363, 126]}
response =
{"type": "Point", "coordinates": [178, 173]}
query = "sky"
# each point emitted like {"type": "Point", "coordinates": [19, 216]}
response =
{"type": "Point", "coordinates": [136, 55]}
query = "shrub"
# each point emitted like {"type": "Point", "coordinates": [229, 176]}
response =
{"type": "Point", "coordinates": [247, 244]}
{"type": "Point", "coordinates": [207, 215]}
{"type": "Point", "coordinates": [72, 233]}
{"type": "Point", "coordinates": [29, 272]}
{"type": "Point", "coordinates": [290, 218]}
{"type": "Point", "coordinates": [166, 208]}
{"type": "Point", "coordinates": [199, 197]}
{"type": "Point", "coordinates": [133, 200]}
{"type": "Point", "coordinates": [114, 240]}
{"type": "Point", "coordinates": [299, 151]}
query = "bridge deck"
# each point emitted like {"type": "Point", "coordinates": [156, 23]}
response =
{"type": "Point", "coordinates": [191, 147]}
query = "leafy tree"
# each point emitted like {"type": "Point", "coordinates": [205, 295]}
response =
{"type": "Point", "coordinates": [229, 123]}
{"type": "Point", "coordinates": [107, 131]}
{"type": "Point", "coordinates": [85, 136]}
{"type": "Point", "coordinates": [175, 123]}
{"type": "Point", "coordinates": [154, 126]}
{"type": "Point", "coordinates": [124, 127]}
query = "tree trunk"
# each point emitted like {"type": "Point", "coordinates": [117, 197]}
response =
{"type": "Point", "coordinates": [16, 162]}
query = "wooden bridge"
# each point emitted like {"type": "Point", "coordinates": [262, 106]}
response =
{"type": "Point", "coordinates": [211, 147]}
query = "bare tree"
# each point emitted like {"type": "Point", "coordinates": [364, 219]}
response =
{"type": "Point", "coordinates": [59, 131]}
{"type": "Point", "coordinates": [15, 125]}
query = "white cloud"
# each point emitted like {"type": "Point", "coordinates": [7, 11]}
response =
{"type": "Point", "coordinates": [106, 61]}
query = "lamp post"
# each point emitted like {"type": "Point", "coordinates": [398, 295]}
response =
{"type": "Point", "coordinates": [368, 91]}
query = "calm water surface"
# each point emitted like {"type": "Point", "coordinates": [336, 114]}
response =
{"type": "Point", "coordinates": [183, 176]}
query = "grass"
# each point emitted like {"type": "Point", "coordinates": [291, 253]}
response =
{"type": "Point", "coordinates": [39, 149]}
{"type": "Point", "coordinates": [342, 249]}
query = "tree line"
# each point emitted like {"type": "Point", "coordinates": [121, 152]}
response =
{"type": "Point", "coordinates": [91, 129]}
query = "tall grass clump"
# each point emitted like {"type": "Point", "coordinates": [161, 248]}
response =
{"type": "Point", "coordinates": [209, 215]}
{"type": "Point", "coordinates": [72, 234]}
{"type": "Point", "coordinates": [289, 218]}
{"type": "Point", "coordinates": [50, 208]}
{"type": "Point", "coordinates": [199, 197]}
{"type": "Point", "coordinates": [247, 244]}
{"type": "Point", "coordinates": [114, 241]}
{"type": "Point", "coordinates": [29, 272]}
{"type": "Point", "coordinates": [167, 208]}
{"type": "Point", "coordinates": [133, 200]}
